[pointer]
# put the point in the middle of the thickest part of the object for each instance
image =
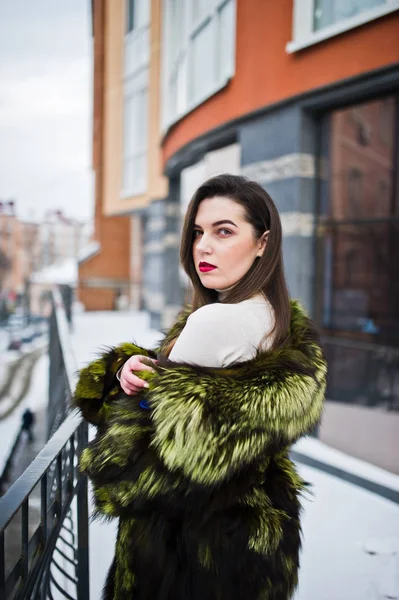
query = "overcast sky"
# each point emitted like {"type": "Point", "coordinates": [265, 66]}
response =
{"type": "Point", "coordinates": [45, 106]}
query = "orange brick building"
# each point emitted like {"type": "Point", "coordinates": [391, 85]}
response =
{"type": "Point", "coordinates": [300, 95]}
{"type": "Point", "coordinates": [106, 267]}
{"type": "Point", "coordinates": [128, 172]}
{"type": "Point", "coordinates": [181, 90]}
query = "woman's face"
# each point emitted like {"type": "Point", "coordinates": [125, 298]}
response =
{"type": "Point", "coordinates": [224, 246]}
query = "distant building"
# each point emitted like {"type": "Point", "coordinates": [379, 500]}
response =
{"type": "Point", "coordinates": [42, 282]}
{"type": "Point", "coordinates": [60, 238]}
{"type": "Point", "coordinates": [31, 246]}
{"type": "Point", "coordinates": [18, 243]}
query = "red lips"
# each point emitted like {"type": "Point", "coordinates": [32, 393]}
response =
{"type": "Point", "coordinates": [205, 267]}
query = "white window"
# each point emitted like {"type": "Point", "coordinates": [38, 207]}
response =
{"type": "Point", "coordinates": [317, 20]}
{"type": "Point", "coordinates": [216, 162]}
{"type": "Point", "coordinates": [198, 53]}
{"type": "Point", "coordinates": [135, 142]}
{"type": "Point", "coordinates": [135, 92]}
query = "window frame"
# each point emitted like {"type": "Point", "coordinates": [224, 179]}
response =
{"type": "Point", "coordinates": [135, 83]}
{"type": "Point", "coordinates": [173, 66]}
{"type": "Point", "coordinates": [304, 35]}
{"type": "Point", "coordinates": [140, 150]}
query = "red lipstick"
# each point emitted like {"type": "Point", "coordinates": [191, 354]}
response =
{"type": "Point", "coordinates": [205, 267]}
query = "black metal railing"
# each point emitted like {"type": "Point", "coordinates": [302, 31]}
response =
{"type": "Point", "coordinates": [60, 375]}
{"type": "Point", "coordinates": [44, 514]}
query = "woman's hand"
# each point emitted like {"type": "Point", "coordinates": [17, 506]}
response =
{"type": "Point", "coordinates": [130, 383]}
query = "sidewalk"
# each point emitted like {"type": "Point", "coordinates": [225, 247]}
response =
{"type": "Point", "coordinates": [350, 534]}
{"type": "Point", "coordinates": [91, 333]}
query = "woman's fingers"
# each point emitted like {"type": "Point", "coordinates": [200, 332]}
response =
{"type": "Point", "coordinates": [138, 362]}
{"type": "Point", "coordinates": [131, 384]}
{"type": "Point", "coordinates": [145, 367]}
{"type": "Point", "coordinates": [130, 390]}
{"type": "Point", "coordinates": [135, 381]}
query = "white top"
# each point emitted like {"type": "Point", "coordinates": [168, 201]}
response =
{"type": "Point", "coordinates": [217, 335]}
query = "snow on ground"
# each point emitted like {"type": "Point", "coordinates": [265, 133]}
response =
{"type": "Point", "coordinates": [340, 521]}
{"type": "Point", "coordinates": [92, 331]}
{"type": "Point", "coordinates": [65, 272]}
{"type": "Point", "coordinates": [15, 388]}
{"type": "Point", "coordinates": [6, 356]}
{"type": "Point", "coordinates": [4, 337]}
{"type": "Point", "coordinates": [6, 359]}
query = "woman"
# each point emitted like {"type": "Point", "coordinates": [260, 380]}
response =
{"type": "Point", "coordinates": [192, 446]}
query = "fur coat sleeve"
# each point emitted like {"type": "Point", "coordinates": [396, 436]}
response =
{"type": "Point", "coordinates": [205, 427]}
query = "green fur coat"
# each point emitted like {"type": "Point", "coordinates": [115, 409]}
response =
{"type": "Point", "coordinates": [202, 484]}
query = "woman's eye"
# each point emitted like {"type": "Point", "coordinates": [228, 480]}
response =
{"type": "Point", "coordinates": [197, 233]}
{"type": "Point", "coordinates": [224, 231]}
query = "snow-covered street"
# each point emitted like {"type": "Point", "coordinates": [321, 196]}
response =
{"type": "Point", "coordinates": [350, 535]}
{"type": "Point", "coordinates": [36, 397]}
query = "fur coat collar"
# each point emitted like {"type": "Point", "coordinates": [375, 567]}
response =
{"type": "Point", "coordinates": [207, 497]}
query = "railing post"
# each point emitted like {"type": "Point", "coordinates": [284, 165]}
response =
{"type": "Point", "coordinates": [44, 521]}
{"type": "Point", "coordinates": [83, 523]}
{"type": "Point", "coordinates": [25, 541]}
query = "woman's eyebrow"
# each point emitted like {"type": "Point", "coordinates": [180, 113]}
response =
{"type": "Point", "coordinates": [218, 223]}
{"type": "Point", "coordinates": [223, 221]}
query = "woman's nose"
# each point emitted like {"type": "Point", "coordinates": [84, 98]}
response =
{"type": "Point", "coordinates": [203, 245]}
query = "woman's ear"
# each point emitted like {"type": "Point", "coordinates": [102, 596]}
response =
{"type": "Point", "coordinates": [262, 243]}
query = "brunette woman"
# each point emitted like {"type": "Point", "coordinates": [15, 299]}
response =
{"type": "Point", "coordinates": [192, 449]}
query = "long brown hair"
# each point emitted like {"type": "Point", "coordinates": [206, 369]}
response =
{"type": "Point", "coordinates": [266, 275]}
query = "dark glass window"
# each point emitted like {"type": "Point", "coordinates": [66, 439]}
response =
{"type": "Point", "coordinates": [357, 296]}
{"type": "Point", "coordinates": [359, 230]}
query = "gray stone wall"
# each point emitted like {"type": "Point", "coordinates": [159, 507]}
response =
{"type": "Point", "coordinates": [278, 151]}
{"type": "Point", "coordinates": [162, 289]}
